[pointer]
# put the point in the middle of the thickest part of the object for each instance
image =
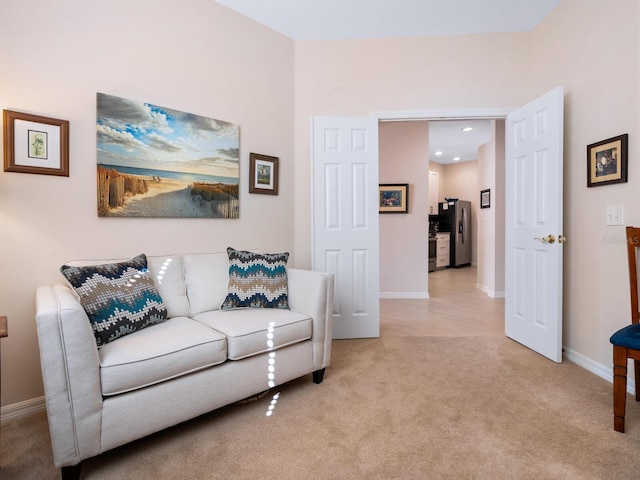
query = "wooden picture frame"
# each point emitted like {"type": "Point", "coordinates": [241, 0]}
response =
{"type": "Point", "coordinates": [485, 198]}
{"type": "Point", "coordinates": [263, 174]}
{"type": "Point", "coordinates": [393, 198]}
{"type": "Point", "coordinates": [607, 161]}
{"type": "Point", "coordinates": [35, 144]}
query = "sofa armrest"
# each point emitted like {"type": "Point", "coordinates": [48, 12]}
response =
{"type": "Point", "coordinates": [312, 293]}
{"type": "Point", "coordinates": [70, 373]}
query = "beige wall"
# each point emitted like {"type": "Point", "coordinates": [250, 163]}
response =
{"type": "Point", "coordinates": [404, 251]}
{"type": "Point", "coordinates": [490, 221]}
{"type": "Point", "coordinates": [486, 218]}
{"type": "Point", "coordinates": [498, 203]}
{"type": "Point", "coordinates": [194, 56]}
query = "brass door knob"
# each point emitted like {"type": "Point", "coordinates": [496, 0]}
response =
{"type": "Point", "coordinates": [548, 239]}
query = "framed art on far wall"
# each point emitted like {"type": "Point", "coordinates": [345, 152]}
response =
{"type": "Point", "coordinates": [485, 198]}
{"type": "Point", "coordinates": [263, 174]}
{"type": "Point", "coordinates": [607, 161]}
{"type": "Point", "coordinates": [393, 198]}
{"type": "Point", "coordinates": [35, 144]}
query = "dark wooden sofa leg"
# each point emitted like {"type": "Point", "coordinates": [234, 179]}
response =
{"type": "Point", "coordinates": [72, 472]}
{"type": "Point", "coordinates": [318, 375]}
{"type": "Point", "coordinates": [619, 387]}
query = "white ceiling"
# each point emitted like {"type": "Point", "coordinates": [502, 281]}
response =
{"type": "Point", "coordinates": [447, 137]}
{"type": "Point", "coordinates": [344, 19]}
{"type": "Point", "coordinates": [352, 19]}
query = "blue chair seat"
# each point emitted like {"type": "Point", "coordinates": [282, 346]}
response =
{"type": "Point", "coordinates": [628, 337]}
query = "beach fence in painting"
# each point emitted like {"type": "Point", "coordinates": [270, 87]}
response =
{"type": "Point", "coordinates": [222, 198]}
{"type": "Point", "coordinates": [212, 200]}
{"type": "Point", "coordinates": [113, 188]}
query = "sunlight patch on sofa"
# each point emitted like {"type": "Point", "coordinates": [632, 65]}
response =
{"type": "Point", "coordinates": [271, 368]}
{"type": "Point", "coordinates": [163, 269]}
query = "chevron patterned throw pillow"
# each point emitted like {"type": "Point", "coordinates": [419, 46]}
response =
{"type": "Point", "coordinates": [119, 298]}
{"type": "Point", "coordinates": [256, 280]}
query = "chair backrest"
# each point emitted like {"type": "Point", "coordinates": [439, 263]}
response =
{"type": "Point", "coordinates": [633, 243]}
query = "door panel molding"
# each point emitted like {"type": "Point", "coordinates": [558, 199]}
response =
{"type": "Point", "coordinates": [533, 213]}
{"type": "Point", "coordinates": [345, 233]}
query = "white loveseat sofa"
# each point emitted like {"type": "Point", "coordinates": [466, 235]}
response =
{"type": "Point", "coordinates": [200, 359]}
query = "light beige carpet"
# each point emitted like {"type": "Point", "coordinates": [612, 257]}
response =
{"type": "Point", "coordinates": [390, 408]}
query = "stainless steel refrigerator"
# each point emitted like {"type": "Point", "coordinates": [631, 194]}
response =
{"type": "Point", "coordinates": [455, 217]}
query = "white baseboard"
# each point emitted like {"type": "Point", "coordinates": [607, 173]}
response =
{"type": "Point", "coordinates": [603, 371]}
{"type": "Point", "coordinates": [22, 408]}
{"type": "Point", "coordinates": [489, 292]}
{"type": "Point", "coordinates": [405, 295]}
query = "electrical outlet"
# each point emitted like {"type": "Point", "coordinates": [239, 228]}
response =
{"type": "Point", "coordinates": [615, 215]}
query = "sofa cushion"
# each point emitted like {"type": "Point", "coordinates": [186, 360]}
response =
{"type": "Point", "coordinates": [206, 276]}
{"type": "Point", "coordinates": [176, 347]}
{"type": "Point", "coordinates": [255, 330]}
{"type": "Point", "coordinates": [119, 298]}
{"type": "Point", "coordinates": [168, 274]}
{"type": "Point", "coordinates": [256, 280]}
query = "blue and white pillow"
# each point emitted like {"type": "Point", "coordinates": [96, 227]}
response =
{"type": "Point", "coordinates": [256, 280]}
{"type": "Point", "coordinates": [119, 298]}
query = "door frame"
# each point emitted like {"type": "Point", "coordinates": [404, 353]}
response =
{"type": "Point", "coordinates": [445, 114]}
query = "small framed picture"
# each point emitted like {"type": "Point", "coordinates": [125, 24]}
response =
{"type": "Point", "coordinates": [393, 198]}
{"type": "Point", "coordinates": [263, 174]}
{"type": "Point", "coordinates": [35, 144]}
{"type": "Point", "coordinates": [485, 198]}
{"type": "Point", "coordinates": [607, 161]}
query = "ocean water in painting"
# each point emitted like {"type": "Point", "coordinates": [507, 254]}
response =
{"type": "Point", "coordinates": [181, 176]}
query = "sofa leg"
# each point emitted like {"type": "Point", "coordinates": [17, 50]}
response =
{"type": "Point", "coordinates": [72, 472]}
{"type": "Point", "coordinates": [318, 375]}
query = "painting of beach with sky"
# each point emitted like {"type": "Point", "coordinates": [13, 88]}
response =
{"type": "Point", "coordinates": [158, 162]}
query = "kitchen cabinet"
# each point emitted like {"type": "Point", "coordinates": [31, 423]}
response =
{"type": "Point", "coordinates": [434, 179]}
{"type": "Point", "coordinates": [442, 249]}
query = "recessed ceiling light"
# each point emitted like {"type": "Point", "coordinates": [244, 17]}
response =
{"type": "Point", "coordinates": [467, 129]}
{"type": "Point", "coordinates": [455, 159]}
{"type": "Point", "coordinates": [438, 153]}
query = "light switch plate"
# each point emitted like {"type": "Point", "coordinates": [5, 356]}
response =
{"type": "Point", "coordinates": [615, 215]}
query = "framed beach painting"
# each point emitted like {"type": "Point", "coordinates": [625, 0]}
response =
{"type": "Point", "coordinates": [158, 162]}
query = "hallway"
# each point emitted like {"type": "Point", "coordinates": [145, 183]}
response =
{"type": "Point", "coordinates": [455, 308]}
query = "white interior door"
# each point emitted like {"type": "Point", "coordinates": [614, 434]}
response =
{"type": "Point", "coordinates": [345, 220]}
{"type": "Point", "coordinates": [533, 225]}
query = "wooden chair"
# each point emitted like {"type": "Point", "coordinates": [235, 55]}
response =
{"type": "Point", "coordinates": [626, 341]}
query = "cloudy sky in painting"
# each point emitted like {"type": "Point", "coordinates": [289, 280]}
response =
{"type": "Point", "coordinates": [141, 135]}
